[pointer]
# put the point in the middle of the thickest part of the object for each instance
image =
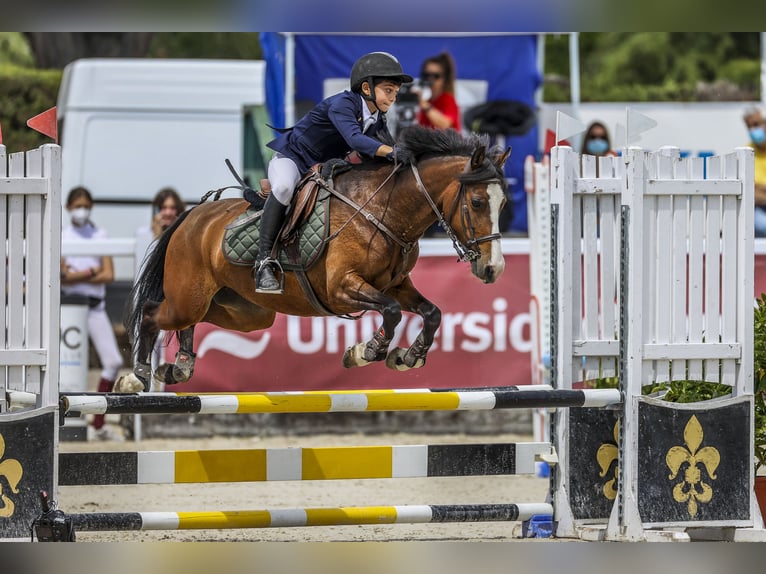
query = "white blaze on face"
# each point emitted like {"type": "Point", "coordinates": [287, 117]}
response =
{"type": "Point", "coordinates": [496, 197]}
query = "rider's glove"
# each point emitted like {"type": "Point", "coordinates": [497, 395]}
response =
{"type": "Point", "coordinates": [400, 155]}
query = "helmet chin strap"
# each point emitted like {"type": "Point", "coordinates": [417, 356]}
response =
{"type": "Point", "coordinates": [371, 97]}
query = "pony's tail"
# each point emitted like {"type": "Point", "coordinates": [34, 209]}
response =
{"type": "Point", "coordinates": [149, 282]}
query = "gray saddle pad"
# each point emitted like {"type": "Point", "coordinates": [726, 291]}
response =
{"type": "Point", "coordinates": [240, 241]}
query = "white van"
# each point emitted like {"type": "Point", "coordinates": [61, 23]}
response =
{"type": "Point", "coordinates": [129, 127]}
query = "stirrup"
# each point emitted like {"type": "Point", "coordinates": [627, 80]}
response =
{"type": "Point", "coordinates": [268, 262]}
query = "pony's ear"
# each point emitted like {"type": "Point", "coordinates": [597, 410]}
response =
{"type": "Point", "coordinates": [500, 162]}
{"type": "Point", "coordinates": [477, 159]}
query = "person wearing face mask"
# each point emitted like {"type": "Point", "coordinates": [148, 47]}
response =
{"type": "Point", "coordinates": [88, 275]}
{"type": "Point", "coordinates": [596, 141]}
{"type": "Point", "coordinates": [756, 129]}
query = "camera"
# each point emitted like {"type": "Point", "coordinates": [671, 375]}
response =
{"type": "Point", "coordinates": [408, 102]}
{"type": "Point", "coordinates": [52, 525]}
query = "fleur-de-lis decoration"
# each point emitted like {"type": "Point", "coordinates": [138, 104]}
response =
{"type": "Point", "coordinates": [606, 455]}
{"type": "Point", "coordinates": [692, 489]}
{"type": "Point", "coordinates": [11, 469]}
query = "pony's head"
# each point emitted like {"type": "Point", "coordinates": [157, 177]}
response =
{"type": "Point", "coordinates": [474, 213]}
{"type": "Point", "coordinates": [473, 199]}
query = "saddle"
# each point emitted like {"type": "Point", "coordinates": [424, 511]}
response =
{"type": "Point", "coordinates": [304, 200]}
{"type": "Point", "coordinates": [301, 207]}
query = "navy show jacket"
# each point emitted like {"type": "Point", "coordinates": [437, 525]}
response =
{"type": "Point", "coordinates": [331, 129]}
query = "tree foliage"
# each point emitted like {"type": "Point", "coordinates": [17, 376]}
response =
{"type": "Point", "coordinates": [224, 45]}
{"type": "Point", "coordinates": [657, 66]}
{"type": "Point", "coordinates": [57, 49]}
{"type": "Point", "coordinates": [14, 49]}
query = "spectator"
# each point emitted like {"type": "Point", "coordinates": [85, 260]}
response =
{"type": "Point", "coordinates": [756, 128]}
{"type": "Point", "coordinates": [596, 141]}
{"type": "Point", "coordinates": [166, 207]}
{"type": "Point", "coordinates": [439, 109]}
{"type": "Point", "coordinates": [88, 275]}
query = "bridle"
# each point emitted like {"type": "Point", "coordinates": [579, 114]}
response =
{"type": "Point", "coordinates": [465, 251]}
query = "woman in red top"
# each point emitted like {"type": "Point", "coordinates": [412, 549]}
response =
{"type": "Point", "coordinates": [440, 110]}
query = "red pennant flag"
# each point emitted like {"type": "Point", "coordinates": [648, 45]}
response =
{"type": "Point", "coordinates": [45, 123]}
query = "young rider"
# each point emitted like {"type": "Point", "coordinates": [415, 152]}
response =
{"type": "Point", "coordinates": [353, 120]}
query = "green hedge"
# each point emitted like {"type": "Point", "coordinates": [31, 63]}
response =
{"type": "Point", "coordinates": [24, 93]}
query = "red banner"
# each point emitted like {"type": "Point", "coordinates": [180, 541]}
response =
{"type": "Point", "coordinates": [484, 340]}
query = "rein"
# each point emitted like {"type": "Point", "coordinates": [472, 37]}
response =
{"type": "Point", "coordinates": [465, 251]}
{"type": "Point", "coordinates": [406, 246]}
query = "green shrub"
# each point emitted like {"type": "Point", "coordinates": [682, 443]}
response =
{"type": "Point", "coordinates": [24, 93]}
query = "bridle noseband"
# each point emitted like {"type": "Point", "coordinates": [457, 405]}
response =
{"type": "Point", "coordinates": [465, 251]}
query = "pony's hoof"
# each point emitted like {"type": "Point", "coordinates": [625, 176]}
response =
{"type": "Point", "coordinates": [129, 383]}
{"type": "Point", "coordinates": [181, 375]}
{"type": "Point", "coordinates": [396, 360]}
{"type": "Point", "coordinates": [164, 374]}
{"type": "Point", "coordinates": [354, 357]}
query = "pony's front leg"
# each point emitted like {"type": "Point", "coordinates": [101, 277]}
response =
{"type": "Point", "coordinates": [376, 349]}
{"type": "Point", "coordinates": [415, 357]}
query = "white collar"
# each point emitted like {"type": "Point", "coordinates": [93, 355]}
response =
{"type": "Point", "coordinates": [367, 114]}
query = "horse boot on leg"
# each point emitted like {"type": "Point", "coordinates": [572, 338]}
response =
{"type": "Point", "coordinates": [271, 222]}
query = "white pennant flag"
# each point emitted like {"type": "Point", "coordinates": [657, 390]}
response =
{"type": "Point", "coordinates": [621, 136]}
{"type": "Point", "coordinates": [637, 123]}
{"type": "Point", "coordinates": [567, 126]}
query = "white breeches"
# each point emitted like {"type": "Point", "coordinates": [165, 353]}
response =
{"type": "Point", "coordinates": [283, 176]}
{"type": "Point", "coordinates": [101, 334]}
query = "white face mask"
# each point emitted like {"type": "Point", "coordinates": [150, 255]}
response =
{"type": "Point", "coordinates": [80, 215]}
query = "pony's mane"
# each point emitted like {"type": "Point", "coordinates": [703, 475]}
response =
{"type": "Point", "coordinates": [422, 142]}
{"type": "Point", "coordinates": [425, 143]}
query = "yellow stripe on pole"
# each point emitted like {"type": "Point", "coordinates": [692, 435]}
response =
{"type": "Point", "coordinates": [284, 403]}
{"type": "Point", "coordinates": [447, 401]}
{"type": "Point", "coordinates": [344, 516]}
{"type": "Point", "coordinates": [347, 462]}
{"type": "Point", "coordinates": [229, 519]}
{"type": "Point", "coordinates": [352, 392]}
{"type": "Point", "coordinates": [220, 465]}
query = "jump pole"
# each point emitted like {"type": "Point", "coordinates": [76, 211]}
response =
{"type": "Point", "coordinates": [282, 464]}
{"type": "Point", "coordinates": [293, 517]}
{"type": "Point", "coordinates": [323, 402]}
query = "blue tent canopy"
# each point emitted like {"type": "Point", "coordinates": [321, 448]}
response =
{"type": "Point", "coordinates": [507, 62]}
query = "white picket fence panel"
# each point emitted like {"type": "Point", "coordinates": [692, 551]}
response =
{"type": "Point", "coordinates": [690, 309]}
{"type": "Point", "coordinates": [695, 306]}
{"type": "Point", "coordinates": [537, 186]}
{"type": "Point", "coordinates": [587, 193]}
{"type": "Point", "coordinates": [687, 274]}
{"type": "Point", "coordinates": [30, 224]}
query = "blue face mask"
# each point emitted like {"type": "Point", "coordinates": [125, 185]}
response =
{"type": "Point", "coordinates": [757, 135]}
{"type": "Point", "coordinates": [597, 146]}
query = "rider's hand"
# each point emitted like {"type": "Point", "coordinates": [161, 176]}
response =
{"type": "Point", "coordinates": [400, 155]}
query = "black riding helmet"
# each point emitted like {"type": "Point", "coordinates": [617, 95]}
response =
{"type": "Point", "coordinates": [376, 65]}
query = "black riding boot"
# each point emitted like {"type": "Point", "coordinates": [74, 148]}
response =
{"type": "Point", "coordinates": [271, 222]}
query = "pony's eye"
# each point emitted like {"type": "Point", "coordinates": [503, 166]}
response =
{"type": "Point", "coordinates": [477, 202]}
